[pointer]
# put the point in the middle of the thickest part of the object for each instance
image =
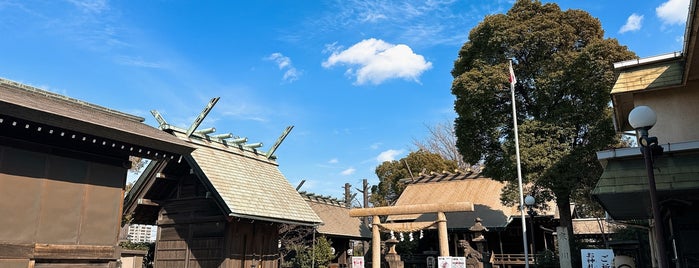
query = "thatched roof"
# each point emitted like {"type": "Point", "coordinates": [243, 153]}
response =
{"type": "Point", "coordinates": [448, 187]}
{"type": "Point", "coordinates": [593, 226]}
{"type": "Point", "coordinates": [336, 219]}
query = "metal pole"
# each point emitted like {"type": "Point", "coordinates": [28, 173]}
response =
{"type": "Point", "coordinates": [531, 222]}
{"type": "Point", "coordinates": [657, 218]}
{"type": "Point", "coordinates": [519, 171]}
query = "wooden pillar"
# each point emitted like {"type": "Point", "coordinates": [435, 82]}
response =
{"type": "Point", "coordinates": [375, 243]}
{"type": "Point", "coordinates": [442, 231]}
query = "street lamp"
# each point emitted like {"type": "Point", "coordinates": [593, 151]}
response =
{"type": "Point", "coordinates": [529, 201]}
{"type": "Point", "coordinates": [642, 118]}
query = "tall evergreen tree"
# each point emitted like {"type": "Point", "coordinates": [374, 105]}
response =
{"type": "Point", "coordinates": [564, 74]}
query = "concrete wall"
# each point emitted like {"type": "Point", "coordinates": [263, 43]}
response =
{"type": "Point", "coordinates": [677, 110]}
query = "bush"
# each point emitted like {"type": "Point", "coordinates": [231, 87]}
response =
{"type": "Point", "coordinates": [547, 259]}
{"type": "Point", "coordinates": [304, 254]}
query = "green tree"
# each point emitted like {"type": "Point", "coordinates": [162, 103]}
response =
{"type": "Point", "coordinates": [564, 72]}
{"type": "Point", "coordinates": [319, 255]}
{"type": "Point", "coordinates": [293, 239]}
{"type": "Point", "coordinates": [390, 172]}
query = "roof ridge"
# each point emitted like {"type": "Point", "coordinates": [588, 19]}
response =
{"type": "Point", "coordinates": [57, 96]}
{"type": "Point", "coordinates": [322, 199]}
{"type": "Point", "coordinates": [219, 144]}
{"type": "Point", "coordinates": [444, 176]}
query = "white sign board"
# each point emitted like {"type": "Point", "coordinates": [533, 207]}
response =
{"type": "Point", "coordinates": [357, 262]}
{"type": "Point", "coordinates": [444, 262]}
{"type": "Point", "coordinates": [458, 262]}
{"type": "Point", "coordinates": [597, 258]}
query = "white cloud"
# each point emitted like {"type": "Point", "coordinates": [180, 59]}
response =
{"type": "Point", "coordinates": [139, 62]}
{"type": "Point", "coordinates": [388, 155]}
{"type": "Point", "coordinates": [90, 6]}
{"type": "Point", "coordinates": [291, 74]}
{"type": "Point", "coordinates": [372, 17]}
{"type": "Point", "coordinates": [333, 161]}
{"type": "Point", "coordinates": [416, 22]}
{"type": "Point", "coordinates": [633, 23]}
{"type": "Point", "coordinates": [379, 61]}
{"type": "Point", "coordinates": [673, 11]}
{"type": "Point", "coordinates": [348, 171]}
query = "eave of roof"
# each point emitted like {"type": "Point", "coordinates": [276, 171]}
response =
{"type": "Point", "coordinates": [641, 75]}
{"type": "Point", "coordinates": [625, 178]}
{"type": "Point", "coordinates": [47, 108]}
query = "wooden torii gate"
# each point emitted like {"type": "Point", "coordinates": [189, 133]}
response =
{"type": "Point", "coordinates": [440, 209]}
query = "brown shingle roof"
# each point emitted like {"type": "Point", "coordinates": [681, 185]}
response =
{"type": "Point", "coordinates": [249, 184]}
{"type": "Point", "coordinates": [51, 109]}
{"type": "Point", "coordinates": [336, 219]}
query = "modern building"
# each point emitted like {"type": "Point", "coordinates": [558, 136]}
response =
{"type": "Point", "coordinates": [669, 85]}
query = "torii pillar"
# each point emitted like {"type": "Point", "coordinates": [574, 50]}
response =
{"type": "Point", "coordinates": [440, 209]}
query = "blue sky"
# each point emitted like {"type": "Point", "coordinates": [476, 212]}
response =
{"type": "Point", "coordinates": [358, 80]}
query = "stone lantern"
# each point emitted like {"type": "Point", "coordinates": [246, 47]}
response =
{"type": "Point", "coordinates": [477, 235]}
{"type": "Point", "coordinates": [392, 257]}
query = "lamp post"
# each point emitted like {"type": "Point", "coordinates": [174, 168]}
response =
{"type": "Point", "coordinates": [643, 118]}
{"type": "Point", "coordinates": [529, 201]}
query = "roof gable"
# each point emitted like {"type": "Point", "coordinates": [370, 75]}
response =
{"type": "Point", "coordinates": [245, 182]}
{"type": "Point", "coordinates": [249, 184]}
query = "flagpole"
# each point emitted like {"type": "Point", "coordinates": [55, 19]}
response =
{"type": "Point", "coordinates": [513, 81]}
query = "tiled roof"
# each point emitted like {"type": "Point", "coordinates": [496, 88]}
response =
{"type": "Point", "coordinates": [447, 187]}
{"type": "Point", "coordinates": [653, 73]}
{"type": "Point", "coordinates": [51, 109]}
{"type": "Point", "coordinates": [648, 77]}
{"type": "Point", "coordinates": [249, 183]}
{"type": "Point", "coordinates": [336, 219]}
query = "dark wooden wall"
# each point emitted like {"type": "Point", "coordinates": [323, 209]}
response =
{"type": "Point", "coordinates": [57, 207]}
{"type": "Point", "coordinates": [252, 244]}
{"type": "Point", "coordinates": [195, 232]}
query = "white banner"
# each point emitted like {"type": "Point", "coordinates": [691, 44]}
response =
{"type": "Point", "coordinates": [597, 258]}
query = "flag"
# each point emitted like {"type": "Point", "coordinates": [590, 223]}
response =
{"type": "Point", "coordinates": [513, 79]}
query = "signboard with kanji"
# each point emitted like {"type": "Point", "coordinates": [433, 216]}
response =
{"type": "Point", "coordinates": [458, 262]}
{"type": "Point", "coordinates": [444, 262]}
{"type": "Point", "coordinates": [597, 258]}
{"type": "Point", "coordinates": [357, 262]}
